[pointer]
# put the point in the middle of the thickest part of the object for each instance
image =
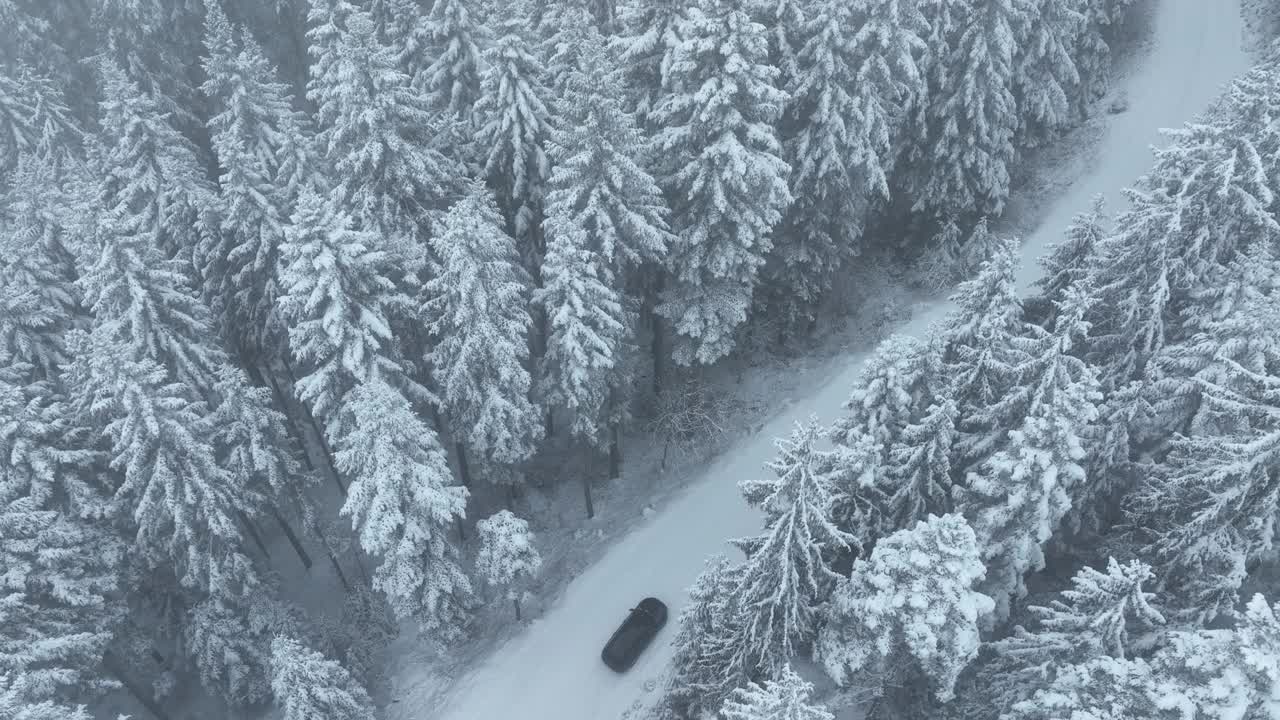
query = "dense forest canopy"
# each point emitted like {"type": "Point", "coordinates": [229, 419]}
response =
{"type": "Point", "coordinates": [253, 254]}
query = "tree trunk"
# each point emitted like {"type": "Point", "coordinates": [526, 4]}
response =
{"type": "Point", "coordinates": [511, 497]}
{"type": "Point", "coordinates": [364, 571]}
{"type": "Point", "coordinates": [320, 438]}
{"type": "Point", "coordinates": [463, 468]}
{"type": "Point", "coordinates": [516, 602]}
{"type": "Point", "coordinates": [548, 425]}
{"type": "Point", "coordinates": [615, 453]}
{"type": "Point", "coordinates": [116, 669]}
{"type": "Point", "coordinates": [586, 494]}
{"type": "Point", "coordinates": [282, 401]}
{"type": "Point", "coordinates": [655, 341]}
{"type": "Point", "coordinates": [333, 559]}
{"type": "Point", "coordinates": [462, 532]}
{"type": "Point", "coordinates": [293, 538]}
{"type": "Point", "coordinates": [253, 533]}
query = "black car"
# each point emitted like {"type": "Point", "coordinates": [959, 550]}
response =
{"type": "Point", "coordinates": [635, 634]}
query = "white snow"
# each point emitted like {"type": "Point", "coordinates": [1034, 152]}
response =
{"type": "Point", "coordinates": [552, 671]}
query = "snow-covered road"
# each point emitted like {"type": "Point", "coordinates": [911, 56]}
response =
{"type": "Point", "coordinates": [552, 671]}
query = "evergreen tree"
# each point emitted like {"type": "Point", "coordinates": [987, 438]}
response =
{"type": "Point", "coordinates": [786, 23]}
{"type": "Point", "coordinates": [1093, 55]}
{"type": "Point", "coordinates": [33, 113]}
{"type": "Point", "coordinates": [709, 660]}
{"type": "Point", "coordinates": [13, 705]}
{"type": "Point", "coordinates": [1209, 510]}
{"type": "Point", "coordinates": [859, 504]}
{"type": "Point", "coordinates": [477, 305]}
{"type": "Point", "coordinates": [1018, 497]}
{"type": "Point", "coordinates": [1090, 620]}
{"type": "Point", "coordinates": [1046, 80]}
{"type": "Point", "coordinates": [857, 63]}
{"type": "Point", "coordinates": [787, 574]}
{"type": "Point", "coordinates": [1226, 322]}
{"type": "Point", "coordinates": [336, 297]}
{"type": "Point", "coordinates": [972, 115]}
{"type": "Point", "coordinates": [1067, 263]}
{"type": "Point", "coordinates": [38, 301]}
{"type": "Point", "coordinates": [897, 385]}
{"type": "Point", "coordinates": [910, 607]}
{"type": "Point", "coordinates": [377, 133]}
{"type": "Point", "coordinates": [262, 152]}
{"type": "Point", "coordinates": [918, 475]}
{"type": "Point", "coordinates": [984, 361]}
{"type": "Point", "coordinates": [1208, 189]}
{"type": "Point", "coordinates": [227, 653]}
{"type": "Point", "coordinates": [717, 115]}
{"type": "Point", "coordinates": [515, 123]}
{"type": "Point", "coordinates": [308, 685]}
{"type": "Point", "coordinates": [401, 502]}
{"type": "Point", "coordinates": [57, 614]}
{"type": "Point", "coordinates": [454, 75]}
{"type": "Point", "coordinates": [175, 497]}
{"type": "Point", "coordinates": [507, 553]}
{"type": "Point", "coordinates": [651, 31]}
{"type": "Point", "coordinates": [605, 219]}
{"type": "Point", "coordinates": [152, 198]}
{"type": "Point", "coordinates": [785, 698]}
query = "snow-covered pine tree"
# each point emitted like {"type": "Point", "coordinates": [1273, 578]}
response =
{"type": "Point", "coordinates": [918, 473]}
{"type": "Point", "coordinates": [897, 385]}
{"type": "Point", "coordinates": [57, 614]}
{"type": "Point", "coordinates": [254, 444]}
{"type": "Point", "coordinates": [859, 504]}
{"type": "Point", "coordinates": [155, 43]}
{"type": "Point", "coordinates": [308, 686]}
{"type": "Point", "coordinates": [1092, 619]}
{"type": "Point", "coordinates": [179, 503]}
{"type": "Point", "coordinates": [1251, 106]}
{"type": "Point", "coordinates": [1227, 324]}
{"type": "Point", "coordinates": [717, 116]}
{"type": "Point", "coordinates": [336, 296]}
{"type": "Point", "coordinates": [1019, 495]}
{"type": "Point", "coordinates": [1208, 511]}
{"type": "Point", "coordinates": [38, 299]}
{"type": "Point", "coordinates": [787, 574]}
{"type": "Point", "coordinates": [853, 78]}
{"type": "Point", "coordinates": [972, 115]}
{"type": "Point", "coordinates": [16, 707]}
{"type": "Point", "coordinates": [153, 200]}
{"type": "Point", "coordinates": [709, 661]}
{"type": "Point", "coordinates": [787, 697]}
{"type": "Point", "coordinates": [402, 502]}
{"type": "Point", "coordinates": [983, 360]}
{"type": "Point", "coordinates": [1207, 191]}
{"type": "Point", "coordinates": [507, 553]}
{"type": "Point", "coordinates": [453, 39]}
{"type": "Point", "coordinates": [909, 611]}
{"type": "Point", "coordinates": [262, 153]}
{"type": "Point", "coordinates": [477, 307]}
{"type": "Point", "coordinates": [32, 112]}
{"type": "Point", "coordinates": [650, 33]}
{"type": "Point", "coordinates": [1093, 54]}
{"type": "Point", "coordinates": [1046, 81]}
{"type": "Point", "coordinates": [1066, 263]}
{"type": "Point", "coordinates": [786, 22]}
{"type": "Point", "coordinates": [606, 218]}
{"type": "Point", "coordinates": [60, 566]}
{"type": "Point", "coordinates": [377, 133]}
{"type": "Point", "coordinates": [515, 123]}
{"type": "Point", "coordinates": [229, 655]}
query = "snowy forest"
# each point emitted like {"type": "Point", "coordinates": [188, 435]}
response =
{"type": "Point", "coordinates": [318, 283]}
